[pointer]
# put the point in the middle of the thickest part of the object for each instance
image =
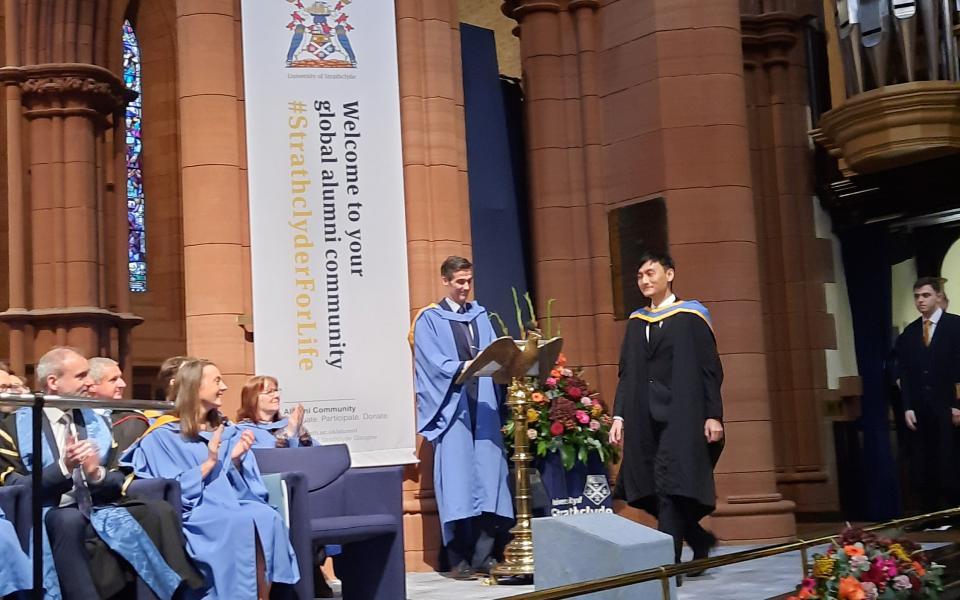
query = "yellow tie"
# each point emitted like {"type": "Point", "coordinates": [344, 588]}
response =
{"type": "Point", "coordinates": [926, 332]}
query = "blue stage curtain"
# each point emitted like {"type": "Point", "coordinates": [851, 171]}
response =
{"type": "Point", "coordinates": [865, 260]}
{"type": "Point", "coordinates": [494, 155]}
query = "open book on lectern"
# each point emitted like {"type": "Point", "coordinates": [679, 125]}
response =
{"type": "Point", "coordinates": [506, 358]}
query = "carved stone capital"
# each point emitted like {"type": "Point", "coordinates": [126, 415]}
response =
{"type": "Point", "coordinates": [768, 38]}
{"type": "Point", "coordinates": [517, 9]}
{"type": "Point", "coordinates": [72, 86]}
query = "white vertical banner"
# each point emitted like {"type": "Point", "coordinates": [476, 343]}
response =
{"type": "Point", "coordinates": [327, 227]}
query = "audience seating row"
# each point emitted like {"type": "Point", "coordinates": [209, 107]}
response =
{"type": "Point", "coordinates": [329, 503]}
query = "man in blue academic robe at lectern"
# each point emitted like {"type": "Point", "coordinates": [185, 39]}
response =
{"type": "Point", "coordinates": [462, 422]}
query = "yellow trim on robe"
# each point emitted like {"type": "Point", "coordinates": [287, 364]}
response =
{"type": "Point", "coordinates": [10, 452]}
{"type": "Point", "coordinates": [413, 325]}
{"type": "Point", "coordinates": [160, 422]}
{"type": "Point", "coordinates": [153, 414]}
{"type": "Point", "coordinates": [7, 437]}
{"type": "Point", "coordinates": [3, 476]}
{"type": "Point", "coordinates": [126, 483]}
{"type": "Point", "coordinates": [659, 318]}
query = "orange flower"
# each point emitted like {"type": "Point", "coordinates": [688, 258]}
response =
{"type": "Point", "coordinates": [561, 360]}
{"type": "Point", "coordinates": [919, 569]}
{"type": "Point", "coordinates": [850, 589]}
{"type": "Point", "coordinates": [806, 593]}
{"type": "Point", "coordinates": [555, 373]}
{"type": "Point", "coordinates": [537, 397]}
{"type": "Point", "coordinates": [853, 550]}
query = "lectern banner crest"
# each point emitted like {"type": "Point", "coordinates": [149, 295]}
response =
{"type": "Point", "coordinates": [327, 226]}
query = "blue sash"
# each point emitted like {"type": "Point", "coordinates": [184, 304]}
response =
{"type": "Point", "coordinates": [114, 524]}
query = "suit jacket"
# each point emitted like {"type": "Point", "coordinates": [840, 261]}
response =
{"type": "Point", "coordinates": [928, 375]}
{"type": "Point", "coordinates": [55, 483]}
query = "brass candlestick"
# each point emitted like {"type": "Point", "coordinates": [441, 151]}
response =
{"type": "Point", "coordinates": [518, 555]}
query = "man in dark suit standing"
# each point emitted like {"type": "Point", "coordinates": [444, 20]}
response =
{"type": "Point", "coordinates": [928, 352]}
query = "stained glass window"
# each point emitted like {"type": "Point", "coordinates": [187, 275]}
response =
{"type": "Point", "coordinates": [137, 242]}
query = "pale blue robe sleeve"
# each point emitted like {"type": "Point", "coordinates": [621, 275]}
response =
{"type": "Point", "coordinates": [436, 370]}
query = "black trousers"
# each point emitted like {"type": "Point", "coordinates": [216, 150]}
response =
{"type": "Point", "coordinates": [474, 539]}
{"type": "Point", "coordinates": [677, 517]}
{"type": "Point", "coordinates": [86, 566]}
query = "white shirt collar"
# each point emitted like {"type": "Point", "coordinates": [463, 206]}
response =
{"type": "Point", "coordinates": [453, 304]}
{"type": "Point", "coordinates": [935, 317]}
{"type": "Point", "coordinates": [666, 302]}
{"type": "Point", "coordinates": [53, 414]}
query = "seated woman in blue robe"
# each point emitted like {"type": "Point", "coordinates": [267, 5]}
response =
{"type": "Point", "coordinates": [238, 540]}
{"type": "Point", "coordinates": [260, 413]}
{"type": "Point", "coordinates": [16, 572]}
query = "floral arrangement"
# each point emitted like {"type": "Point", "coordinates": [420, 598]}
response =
{"type": "Point", "coordinates": [568, 417]}
{"type": "Point", "coordinates": [863, 566]}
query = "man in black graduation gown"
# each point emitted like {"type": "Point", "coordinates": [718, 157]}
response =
{"type": "Point", "coordinates": [928, 354]}
{"type": "Point", "coordinates": [108, 383]}
{"type": "Point", "coordinates": [668, 411]}
{"type": "Point", "coordinates": [85, 565]}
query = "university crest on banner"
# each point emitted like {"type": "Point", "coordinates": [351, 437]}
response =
{"type": "Point", "coordinates": [319, 35]}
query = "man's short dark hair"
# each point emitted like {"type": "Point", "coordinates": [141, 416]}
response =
{"type": "Point", "coordinates": [663, 258]}
{"type": "Point", "coordinates": [935, 282]}
{"type": "Point", "coordinates": [454, 264]}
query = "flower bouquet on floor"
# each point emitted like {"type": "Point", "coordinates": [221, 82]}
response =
{"type": "Point", "coordinates": [568, 418]}
{"type": "Point", "coordinates": [863, 566]}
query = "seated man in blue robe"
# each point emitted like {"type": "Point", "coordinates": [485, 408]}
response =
{"type": "Point", "coordinates": [96, 543]}
{"type": "Point", "coordinates": [462, 422]}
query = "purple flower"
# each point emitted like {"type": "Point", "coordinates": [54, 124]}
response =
{"type": "Point", "coordinates": [902, 582]}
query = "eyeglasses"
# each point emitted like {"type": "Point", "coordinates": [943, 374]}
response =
{"type": "Point", "coordinates": [275, 392]}
{"type": "Point", "coordinates": [13, 389]}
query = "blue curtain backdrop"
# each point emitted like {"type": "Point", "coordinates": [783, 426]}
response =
{"type": "Point", "coordinates": [497, 189]}
{"type": "Point", "coordinates": [865, 260]}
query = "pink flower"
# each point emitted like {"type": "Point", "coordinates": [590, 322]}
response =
{"type": "Point", "coordinates": [551, 381]}
{"type": "Point", "coordinates": [594, 425]}
{"type": "Point", "coordinates": [566, 372]}
{"type": "Point", "coordinates": [586, 401]}
{"type": "Point", "coordinates": [901, 582]}
{"type": "Point", "coordinates": [556, 428]}
{"type": "Point", "coordinates": [532, 434]}
{"type": "Point", "coordinates": [574, 392]}
{"type": "Point", "coordinates": [583, 417]}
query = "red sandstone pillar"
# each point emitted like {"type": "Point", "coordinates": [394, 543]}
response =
{"type": "Point", "coordinates": [672, 107]}
{"type": "Point", "coordinates": [214, 190]}
{"type": "Point", "coordinates": [437, 206]}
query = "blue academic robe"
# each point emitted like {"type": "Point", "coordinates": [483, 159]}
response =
{"type": "Point", "coordinates": [266, 433]}
{"type": "Point", "coordinates": [15, 569]}
{"type": "Point", "coordinates": [469, 470]}
{"type": "Point", "coordinates": [221, 513]}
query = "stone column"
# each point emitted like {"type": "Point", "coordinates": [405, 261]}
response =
{"type": "Point", "coordinates": [69, 101]}
{"type": "Point", "coordinates": [795, 263]}
{"type": "Point", "coordinates": [672, 107]}
{"type": "Point", "coordinates": [215, 263]}
{"type": "Point", "coordinates": [437, 206]}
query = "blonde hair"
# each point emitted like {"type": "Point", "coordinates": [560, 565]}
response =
{"type": "Point", "coordinates": [185, 395]}
{"type": "Point", "coordinates": [251, 393]}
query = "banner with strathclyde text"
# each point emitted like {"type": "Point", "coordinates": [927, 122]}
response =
{"type": "Point", "coordinates": [327, 228]}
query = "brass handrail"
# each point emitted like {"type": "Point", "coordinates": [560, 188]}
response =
{"type": "Point", "coordinates": [665, 572]}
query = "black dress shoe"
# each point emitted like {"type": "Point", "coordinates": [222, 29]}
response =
{"type": "Point", "coordinates": [703, 551]}
{"type": "Point", "coordinates": [462, 572]}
